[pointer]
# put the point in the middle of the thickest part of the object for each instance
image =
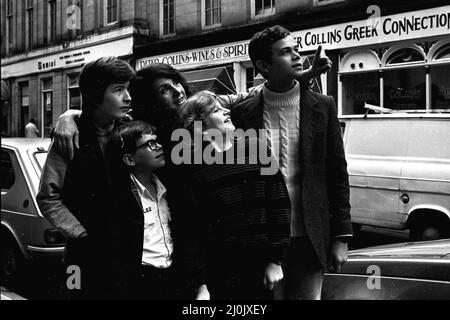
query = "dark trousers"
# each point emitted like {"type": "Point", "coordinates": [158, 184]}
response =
{"type": "Point", "coordinates": [238, 275]}
{"type": "Point", "coordinates": [154, 284]}
{"type": "Point", "coordinates": [303, 272]}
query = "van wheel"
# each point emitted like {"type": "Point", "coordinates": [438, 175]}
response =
{"type": "Point", "coordinates": [12, 262]}
{"type": "Point", "coordinates": [424, 230]}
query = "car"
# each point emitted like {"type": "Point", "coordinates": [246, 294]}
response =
{"type": "Point", "coordinates": [399, 172]}
{"type": "Point", "coordinates": [401, 271]}
{"type": "Point", "coordinates": [25, 234]}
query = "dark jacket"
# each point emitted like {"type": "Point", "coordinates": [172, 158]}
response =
{"type": "Point", "coordinates": [323, 169]}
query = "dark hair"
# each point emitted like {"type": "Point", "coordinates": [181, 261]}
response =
{"type": "Point", "coordinates": [260, 46]}
{"type": "Point", "coordinates": [123, 141]}
{"type": "Point", "coordinates": [196, 108]}
{"type": "Point", "coordinates": [97, 75]}
{"type": "Point", "coordinates": [141, 89]}
{"type": "Point", "coordinates": [32, 120]}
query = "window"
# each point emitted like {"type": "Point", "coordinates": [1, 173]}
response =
{"type": "Point", "coordinates": [212, 13]}
{"type": "Point", "coordinates": [52, 20]}
{"type": "Point", "coordinates": [24, 106]}
{"type": "Point", "coordinates": [110, 11]}
{"type": "Point", "coordinates": [9, 25]}
{"type": "Point", "coordinates": [262, 8]}
{"type": "Point", "coordinates": [358, 89]}
{"type": "Point", "coordinates": [47, 106]}
{"type": "Point", "coordinates": [74, 95]}
{"type": "Point", "coordinates": [440, 81]}
{"type": "Point", "coordinates": [74, 16]}
{"type": "Point", "coordinates": [29, 25]}
{"type": "Point", "coordinates": [7, 177]}
{"type": "Point", "coordinates": [168, 17]}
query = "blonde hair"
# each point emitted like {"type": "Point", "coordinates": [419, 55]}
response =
{"type": "Point", "coordinates": [197, 108]}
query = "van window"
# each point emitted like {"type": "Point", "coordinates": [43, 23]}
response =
{"type": "Point", "coordinates": [430, 139]}
{"type": "Point", "coordinates": [7, 177]}
{"type": "Point", "coordinates": [368, 137]}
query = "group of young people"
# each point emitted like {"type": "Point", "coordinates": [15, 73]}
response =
{"type": "Point", "coordinates": [140, 225]}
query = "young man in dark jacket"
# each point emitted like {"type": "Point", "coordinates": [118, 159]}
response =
{"type": "Point", "coordinates": [304, 134]}
{"type": "Point", "coordinates": [74, 194]}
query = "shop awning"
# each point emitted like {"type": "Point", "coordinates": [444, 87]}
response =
{"type": "Point", "coordinates": [216, 79]}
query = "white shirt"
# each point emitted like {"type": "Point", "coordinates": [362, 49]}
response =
{"type": "Point", "coordinates": [158, 245]}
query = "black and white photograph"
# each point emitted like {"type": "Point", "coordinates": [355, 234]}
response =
{"type": "Point", "coordinates": [215, 157]}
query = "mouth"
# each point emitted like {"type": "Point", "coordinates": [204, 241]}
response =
{"type": "Point", "coordinates": [181, 100]}
{"type": "Point", "coordinates": [160, 155]}
{"type": "Point", "coordinates": [296, 66]}
{"type": "Point", "coordinates": [125, 109]}
{"type": "Point", "coordinates": [227, 120]}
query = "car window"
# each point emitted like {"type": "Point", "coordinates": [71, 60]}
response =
{"type": "Point", "coordinates": [7, 176]}
{"type": "Point", "coordinates": [40, 159]}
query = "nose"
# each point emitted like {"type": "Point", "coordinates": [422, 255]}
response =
{"type": "Point", "coordinates": [127, 96]}
{"type": "Point", "coordinates": [158, 146]}
{"type": "Point", "coordinates": [177, 89]}
{"type": "Point", "coordinates": [225, 111]}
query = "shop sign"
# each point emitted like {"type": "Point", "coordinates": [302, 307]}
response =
{"type": "Point", "coordinates": [69, 58]}
{"type": "Point", "coordinates": [404, 26]}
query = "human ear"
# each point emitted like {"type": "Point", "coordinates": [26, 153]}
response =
{"type": "Point", "coordinates": [129, 160]}
{"type": "Point", "coordinates": [262, 66]}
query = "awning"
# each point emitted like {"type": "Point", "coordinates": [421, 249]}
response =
{"type": "Point", "coordinates": [216, 79]}
{"type": "Point", "coordinates": [5, 91]}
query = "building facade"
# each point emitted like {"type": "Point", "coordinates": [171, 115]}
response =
{"type": "Point", "coordinates": [46, 43]}
{"type": "Point", "coordinates": [390, 54]}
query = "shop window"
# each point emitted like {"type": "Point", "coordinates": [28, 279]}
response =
{"type": "Point", "coordinates": [358, 89]}
{"type": "Point", "coordinates": [7, 176]}
{"type": "Point", "coordinates": [440, 79]}
{"type": "Point", "coordinates": [212, 16]}
{"type": "Point", "coordinates": [24, 106]}
{"type": "Point", "coordinates": [168, 17]}
{"type": "Point", "coordinates": [74, 95]}
{"type": "Point", "coordinates": [405, 55]}
{"type": "Point", "coordinates": [47, 106]}
{"type": "Point", "coordinates": [110, 11]}
{"type": "Point", "coordinates": [260, 8]}
{"type": "Point", "coordinates": [404, 89]}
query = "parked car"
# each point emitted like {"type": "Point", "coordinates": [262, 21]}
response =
{"type": "Point", "coordinates": [399, 172]}
{"type": "Point", "coordinates": [25, 233]}
{"type": "Point", "coordinates": [402, 271]}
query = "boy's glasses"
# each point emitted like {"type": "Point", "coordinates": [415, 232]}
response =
{"type": "Point", "coordinates": [151, 144]}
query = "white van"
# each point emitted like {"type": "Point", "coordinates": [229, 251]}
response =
{"type": "Point", "coordinates": [399, 172]}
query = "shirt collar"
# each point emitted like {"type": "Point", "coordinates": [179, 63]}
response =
{"type": "Point", "coordinates": [160, 188]}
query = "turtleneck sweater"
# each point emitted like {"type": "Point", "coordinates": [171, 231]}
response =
{"type": "Point", "coordinates": [282, 117]}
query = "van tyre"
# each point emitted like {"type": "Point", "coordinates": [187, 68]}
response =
{"type": "Point", "coordinates": [12, 262]}
{"type": "Point", "coordinates": [430, 229]}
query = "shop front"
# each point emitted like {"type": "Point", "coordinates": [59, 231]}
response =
{"type": "Point", "coordinates": [398, 62]}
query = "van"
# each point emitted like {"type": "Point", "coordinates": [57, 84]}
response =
{"type": "Point", "coordinates": [399, 172]}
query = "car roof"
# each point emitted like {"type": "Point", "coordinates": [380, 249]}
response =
{"type": "Point", "coordinates": [423, 249]}
{"type": "Point", "coordinates": [26, 143]}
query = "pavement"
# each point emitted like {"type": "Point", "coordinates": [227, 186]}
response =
{"type": "Point", "coordinates": [6, 295]}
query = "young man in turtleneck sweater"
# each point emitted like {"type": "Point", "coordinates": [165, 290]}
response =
{"type": "Point", "coordinates": [304, 134]}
